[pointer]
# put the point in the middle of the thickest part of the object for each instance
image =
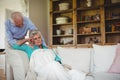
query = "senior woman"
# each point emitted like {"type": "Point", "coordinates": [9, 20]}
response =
{"type": "Point", "coordinates": [44, 62]}
{"type": "Point", "coordinates": [35, 42]}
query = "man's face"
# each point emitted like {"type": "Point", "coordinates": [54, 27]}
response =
{"type": "Point", "coordinates": [18, 21]}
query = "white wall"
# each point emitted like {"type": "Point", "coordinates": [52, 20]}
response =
{"type": "Point", "coordinates": [15, 5]}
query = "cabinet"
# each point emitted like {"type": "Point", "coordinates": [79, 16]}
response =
{"type": "Point", "coordinates": [62, 23]}
{"type": "Point", "coordinates": [2, 61]}
{"type": "Point", "coordinates": [88, 22]}
{"type": "Point", "coordinates": [112, 23]}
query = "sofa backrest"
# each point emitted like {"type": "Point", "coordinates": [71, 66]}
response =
{"type": "Point", "coordinates": [103, 57]}
{"type": "Point", "coordinates": [77, 58]}
{"type": "Point", "coordinates": [92, 60]}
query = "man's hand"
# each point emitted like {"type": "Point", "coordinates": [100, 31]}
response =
{"type": "Point", "coordinates": [22, 41]}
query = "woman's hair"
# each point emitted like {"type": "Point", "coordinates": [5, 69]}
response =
{"type": "Point", "coordinates": [34, 32]}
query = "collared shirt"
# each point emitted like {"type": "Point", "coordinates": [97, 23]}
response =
{"type": "Point", "coordinates": [14, 33]}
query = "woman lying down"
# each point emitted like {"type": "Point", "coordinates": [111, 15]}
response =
{"type": "Point", "coordinates": [45, 62]}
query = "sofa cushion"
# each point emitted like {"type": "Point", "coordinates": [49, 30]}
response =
{"type": "Point", "coordinates": [77, 58]}
{"type": "Point", "coordinates": [103, 57]}
{"type": "Point", "coordinates": [115, 67]}
{"type": "Point", "coordinates": [106, 76]}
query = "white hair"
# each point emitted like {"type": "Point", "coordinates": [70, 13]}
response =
{"type": "Point", "coordinates": [34, 32]}
{"type": "Point", "coordinates": [15, 15]}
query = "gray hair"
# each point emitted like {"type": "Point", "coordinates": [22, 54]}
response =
{"type": "Point", "coordinates": [16, 15]}
{"type": "Point", "coordinates": [34, 32]}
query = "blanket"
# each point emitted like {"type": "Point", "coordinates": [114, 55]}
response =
{"type": "Point", "coordinates": [43, 63]}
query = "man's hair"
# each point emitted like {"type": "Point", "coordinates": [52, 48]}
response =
{"type": "Point", "coordinates": [34, 32]}
{"type": "Point", "coordinates": [16, 14]}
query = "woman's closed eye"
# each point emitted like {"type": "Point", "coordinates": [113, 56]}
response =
{"type": "Point", "coordinates": [37, 38]}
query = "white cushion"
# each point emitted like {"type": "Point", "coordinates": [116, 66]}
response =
{"type": "Point", "coordinates": [103, 57]}
{"type": "Point", "coordinates": [78, 58]}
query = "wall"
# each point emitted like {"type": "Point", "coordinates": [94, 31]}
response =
{"type": "Point", "coordinates": [5, 6]}
{"type": "Point", "coordinates": [38, 13]}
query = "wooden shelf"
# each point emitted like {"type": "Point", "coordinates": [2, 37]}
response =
{"type": "Point", "coordinates": [91, 21]}
{"type": "Point", "coordinates": [82, 18]}
{"type": "Point", "coordinates": [88, 8]}
{"type": "Point", "coordinates": [112, 5]}
{"type": "Point", "coordinates": [68, 35]}
{"type": "Point", "coordinates": [115, 18]}
{"type": "Point", "coordinates": [70, 23]}
{"type": "Point", "coordinates": [115, 32]}
{"type": "Point", "coordinates": [89, 34]}
{"type": "Point", "coordinates": [62, 11]}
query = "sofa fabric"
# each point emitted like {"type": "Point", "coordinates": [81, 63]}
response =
{"type": "Point", "coordinates": [88, 60]}
{"type": "Point", "coordinates": [115, 67]}
{"type": "Point", "coordinates": [106, 76]}
{"type": "Point", "coordinates": [17, 63]}
{"type": "Point", "coordinates": [77, 58]}
{"type": "Point", "coordinates": [103, 57]}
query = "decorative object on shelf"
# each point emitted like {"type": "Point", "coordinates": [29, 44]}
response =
{"type": "Point", "coordinates": [69, 31]}
{"type": "Point", "coordinates": [86, 30]}
{"type": "Point", "coordinates": [115, 1]}
{"type": "Point", "coordinates": [89, 3]}
{"type": "Point", "coordinates": [97, 17]}
{"type": "Point", "coordinates": [63, 6]}
{"type": "Point", "coordinates": [117, 26]}
{"type": "Point", "coordinates": [115, 15]}
{"type": "Point", "coordinates": [61, 20]}
{"type": "Point", "coordinates": [95, 29]}
{"type": "Point", "coordinates": [93, 40]}
{"type": "Point", "coordinates": [108, 28]}
{"type": "Point", "coordinates": [66, 40]}
{"type": "Point", "coordinates": [58, 32]}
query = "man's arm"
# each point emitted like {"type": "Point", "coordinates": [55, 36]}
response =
{"type": "Point", "coordinates": [22, 41]}
{"type": "Point", "coordinates": [33, 27]}
{"type": "Point", "coordinates": [9, 35]}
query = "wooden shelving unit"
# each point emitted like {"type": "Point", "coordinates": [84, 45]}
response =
{"type": "Point", "coordinates": [89, 24]}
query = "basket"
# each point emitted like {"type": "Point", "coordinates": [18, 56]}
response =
{"type": "Point", "coordinates": [63, 6]}
{"type": "Point", "coordinates": [61, 20]}
{"type": "Point", "coordinates": [115, 1]}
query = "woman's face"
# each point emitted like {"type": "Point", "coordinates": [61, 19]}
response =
{"type": "Point", "coordinates": [37, 40]}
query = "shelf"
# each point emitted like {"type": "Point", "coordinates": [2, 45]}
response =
{"type": "Point", "coordinates": [88, 34]}
{"type": "Point", "coordinates": [115, 18]}
{"type": "Point", "coordinates": [69, 35]}
{"type": "Point", "coordinates": [62, 11]}
{"type": "Point", "coordinates": [63, 45]}
{"type": "Point", "coordinates": [88, 8]}
{"type": "Point", "coordinates": [55, 0]}
{"type": "Point", "coordinates": [91, 21]}
{"type": "Point", "coordinates": [115, 32]}
{"type": "Point", "coordinates": [112, 5]}
{"type": "Point", "coordinates": [70, 23]}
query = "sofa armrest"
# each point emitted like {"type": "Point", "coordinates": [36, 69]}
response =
{"type": "Point", "coordinates": [18, 61]}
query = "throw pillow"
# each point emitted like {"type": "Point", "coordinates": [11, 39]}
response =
{"type": "Point", "coordinates": [103, 57]}
{"type": "Point", "coordinates": [115, 67]}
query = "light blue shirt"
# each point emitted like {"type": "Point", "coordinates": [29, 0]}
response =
{"type": "Point", "coordinates": [14, 33]}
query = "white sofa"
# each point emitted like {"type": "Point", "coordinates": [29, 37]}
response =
{"type": "Point", "coordinates": [94, 61]}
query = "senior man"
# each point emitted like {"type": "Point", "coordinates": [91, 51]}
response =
{"type": "Point", "coordinates": [17, 27]}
